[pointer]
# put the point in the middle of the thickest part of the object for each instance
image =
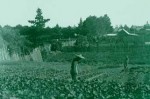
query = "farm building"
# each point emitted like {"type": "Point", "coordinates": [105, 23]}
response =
{"type": "Point", "coordinates": [123, 32]}
{"type": "Point", "coordinates": [68, 42]}
{"type": "Point", "coordinates": [127, 37]}
{"type": "Point", "coordinates": [120, 33]}
{"type": "Point", "coordinates": [122, 36]}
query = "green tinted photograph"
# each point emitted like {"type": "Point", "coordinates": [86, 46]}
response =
{"type": "Point", "coordinates": [75, 49]}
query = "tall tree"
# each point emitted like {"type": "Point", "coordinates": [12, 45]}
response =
{"type": "Point", "coordinates": [80, 23]}
{"type": "Point", "coordinates": [39, 21]}
{"type": "Point", "coordinates": [89, 26]}
{"type": "Point", "coordinates": [37, 30]}
{"type": "Point", "coordinates": [107, 24]}
{"type": "Point", "coordinates": [97, 26]}
{"type": "Point", "coordinates": [79, 29]}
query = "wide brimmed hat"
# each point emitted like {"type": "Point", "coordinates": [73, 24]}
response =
{"type": "Point", "coordinates": [80, 56]}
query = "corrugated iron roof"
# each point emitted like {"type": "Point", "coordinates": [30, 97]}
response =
{"type": "Point", "coordinates": [125, 31]}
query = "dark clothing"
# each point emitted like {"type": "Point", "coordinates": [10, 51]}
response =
{"type": "Point", "coordinates": [126, 61]}
{"type": "Point", "coordinates": [74, 70]}
{"type": "Point", "coordinates": [73, 76]}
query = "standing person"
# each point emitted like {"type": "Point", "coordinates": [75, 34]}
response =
{"type": "Point", "coordinates": [126, 61]}
{"type": "Point", "coordinates": [74, 66]}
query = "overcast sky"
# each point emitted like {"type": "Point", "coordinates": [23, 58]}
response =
{"type": "Point", "coordinates": [68, 12]}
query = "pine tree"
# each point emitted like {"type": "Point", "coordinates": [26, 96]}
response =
{"type": "Point", "coordinates": [37, 30]}
{"type": "Point", "coordinates": [39, 21]}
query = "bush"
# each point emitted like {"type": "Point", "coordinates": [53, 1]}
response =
{"type": "Point", "coordinates": [56, 45]}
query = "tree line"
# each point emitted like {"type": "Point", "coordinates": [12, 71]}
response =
{"type": "Point", "coordinates": [23, 39]}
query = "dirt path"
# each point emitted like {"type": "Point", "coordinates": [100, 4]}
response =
{"type": "Point", "coordinates": [94, 77]}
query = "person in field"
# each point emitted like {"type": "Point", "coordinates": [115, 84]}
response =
{"type": "Point", "coordinates": [126, 61]}
{"type": "Point", "coordinates": [74, 66]}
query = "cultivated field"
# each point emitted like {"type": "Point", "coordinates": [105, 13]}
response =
{"type": "Point", "coordinates": [30, 80]}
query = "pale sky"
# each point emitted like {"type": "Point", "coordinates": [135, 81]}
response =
{"type": "Point", "coordinates": [69, 12]}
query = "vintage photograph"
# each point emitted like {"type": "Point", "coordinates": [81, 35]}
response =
{"type": "Point", "coordinates": [75, 49]}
